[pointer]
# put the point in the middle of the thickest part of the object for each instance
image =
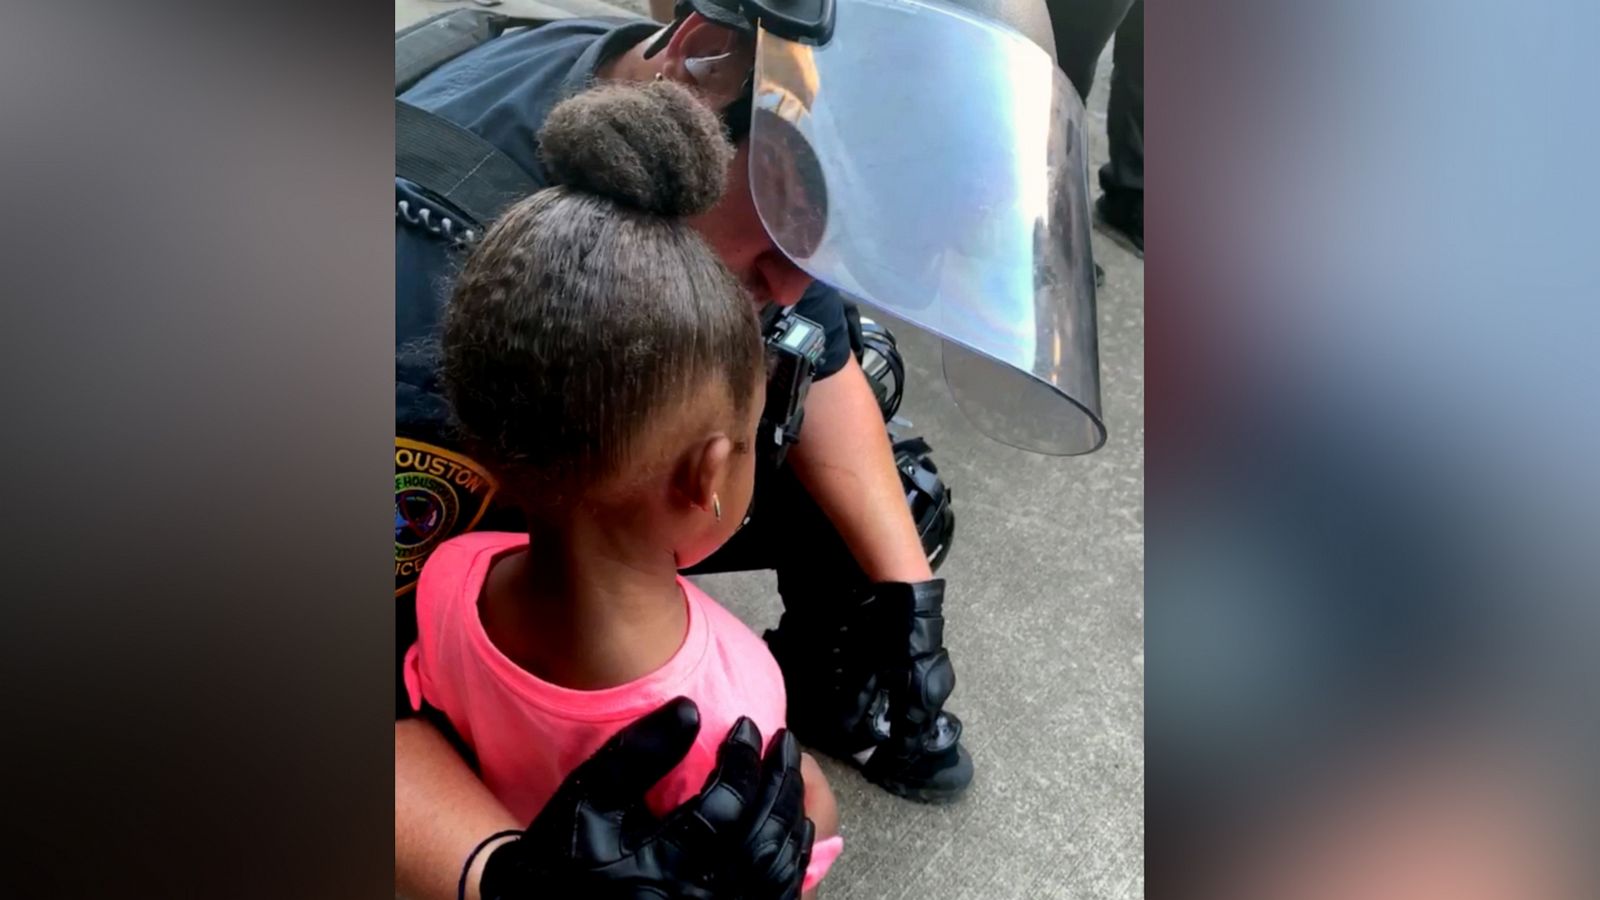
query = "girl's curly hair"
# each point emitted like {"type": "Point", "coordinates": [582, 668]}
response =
{"type": "Point", "coordinates": [591, 306]}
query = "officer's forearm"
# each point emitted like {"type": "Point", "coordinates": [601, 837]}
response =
{"type": "Point", "coordinates": [844, 460]}
{"type": "Point", "coordinates": [441, 811]}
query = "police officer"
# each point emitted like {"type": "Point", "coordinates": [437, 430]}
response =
{"type": "Point", "coordinates": [1082, 28]}
{"type": "Point", "coordinates": [985, 247]}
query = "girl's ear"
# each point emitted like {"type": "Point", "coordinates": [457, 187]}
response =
{"type": "Point", "coordinates": [702, 470]}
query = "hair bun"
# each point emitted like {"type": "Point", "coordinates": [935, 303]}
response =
{"type": "Point", "coordinates": [653, 146]}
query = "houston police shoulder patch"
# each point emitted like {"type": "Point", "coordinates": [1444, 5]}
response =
{"type": "Point", "coordinates": [438, 494]}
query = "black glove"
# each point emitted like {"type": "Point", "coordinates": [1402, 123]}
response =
{"type": "Point", "coordinates": [775, 848]}
{"type": "Point", "coordinates": [744, 835]}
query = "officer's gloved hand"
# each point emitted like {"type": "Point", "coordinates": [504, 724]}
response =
{"type": "Point", "coordinates": [776, 837]}
{"type": "Point", "coordinates": [744, 835]}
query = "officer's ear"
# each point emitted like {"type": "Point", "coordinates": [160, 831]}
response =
{"type": "Point", "coordinates": [701, 472]}
{"type": "Point", "coordinates": [714, 60]}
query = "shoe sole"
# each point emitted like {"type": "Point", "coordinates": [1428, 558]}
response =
{"type": "Point", "coordinates": [925, 796]}
{"type": "Point", "coordinates": [914, 793]}
{"type": "Point", "coordinates": [1117, 235]}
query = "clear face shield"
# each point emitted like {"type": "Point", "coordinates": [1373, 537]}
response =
{"type": "Point", "coordinates": [931, 164]}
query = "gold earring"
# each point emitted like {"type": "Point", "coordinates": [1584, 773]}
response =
{"type": "Point", "coordinates": [716, 507]}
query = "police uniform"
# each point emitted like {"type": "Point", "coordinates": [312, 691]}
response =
{"type": "Point", "coordinates": [502, 91]}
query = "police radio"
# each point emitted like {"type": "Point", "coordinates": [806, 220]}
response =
{"type": "Point", "coordinates": [794, 346]}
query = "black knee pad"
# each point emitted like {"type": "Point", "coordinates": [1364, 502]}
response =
{"type": "Point", "coordinates": [883, 365]}
{"type": "Point", "coordinates": [929, 498]}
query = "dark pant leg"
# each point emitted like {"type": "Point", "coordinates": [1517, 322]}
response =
{"type": "Point", "coordinates": [1082, 28]}
{"type": "Point", "coordinates": [863, 665]}
{"type": "Point", "coordinates": [1122, 178]}
{"type": "Point", "coordinates": [788, 532]}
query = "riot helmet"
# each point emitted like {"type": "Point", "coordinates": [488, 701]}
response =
{"type": "Point", "coordinates": [927, 159]}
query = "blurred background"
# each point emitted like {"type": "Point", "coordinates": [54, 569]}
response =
{"type": "Point", "coordinates": [1371, 489]}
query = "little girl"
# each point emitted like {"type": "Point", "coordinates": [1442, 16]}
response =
{"type": "Point", "coordinates": [609, 372]}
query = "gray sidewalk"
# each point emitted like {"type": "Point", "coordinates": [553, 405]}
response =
{"type": "Point", "coordinates": [1045, 625]}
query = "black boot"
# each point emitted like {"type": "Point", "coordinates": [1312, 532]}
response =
{"type": "Point", "coordinates": [1120, 215]}
{"type": "Point", "coordinates": [866, 681]}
